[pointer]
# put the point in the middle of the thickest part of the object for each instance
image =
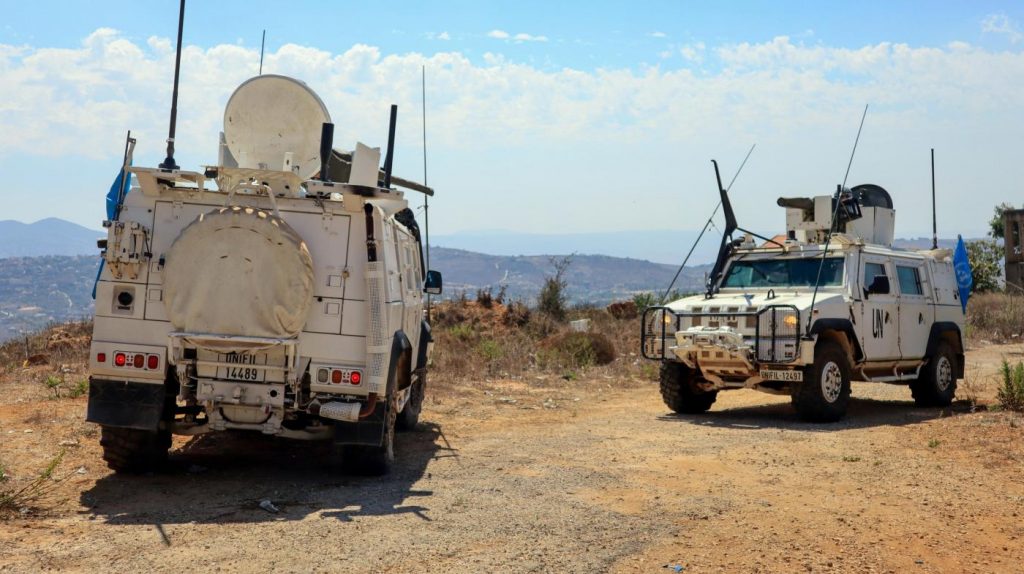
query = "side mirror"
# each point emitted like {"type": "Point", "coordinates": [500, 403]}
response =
{"type": "Point", "coordinates": [432, 286]}
{"type": "Point", "coordinates": [879, 286]}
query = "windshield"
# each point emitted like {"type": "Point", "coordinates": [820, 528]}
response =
{"type": "Point", "coordinates": [784, 273]}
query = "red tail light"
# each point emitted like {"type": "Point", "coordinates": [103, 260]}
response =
{"type": "Point", "coordinates": [336, 377]}
{"type": "Point", "coordinates": [152, 362]}
{"type": "Point", "coordinates": [101, 357]}
{"type": "Point", "coordinates": [120, 359]}
{"type": "Point", "coordinates": [139, 361]}
{"type": "Point", "coordinates": [356, 378]}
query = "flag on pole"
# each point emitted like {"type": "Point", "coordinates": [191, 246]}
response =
{"type": "Point", "coordinates": [118, 190]}
{"type": "Point", "coordinates": [962, 267]}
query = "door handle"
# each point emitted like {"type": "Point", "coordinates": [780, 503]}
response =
{"type": "Point", "coordinates": [920, 318]}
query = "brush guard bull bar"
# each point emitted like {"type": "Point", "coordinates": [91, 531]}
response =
{"type": "Point", "coordinates": [772, 328]}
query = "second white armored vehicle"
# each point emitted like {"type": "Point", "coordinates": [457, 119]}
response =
{"type": "Point", "coordinates": [806, 313]}
{"type": "Point", "coordinates": [279, 292]}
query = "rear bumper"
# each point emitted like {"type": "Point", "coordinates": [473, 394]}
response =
{"type": "Point", "coordinates": [125, 404]}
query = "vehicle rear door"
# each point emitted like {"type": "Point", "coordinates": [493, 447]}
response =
{"type": "Point", "coordinates": [878, 324]}
{"type": "Point", "coordinates": [916, 312]}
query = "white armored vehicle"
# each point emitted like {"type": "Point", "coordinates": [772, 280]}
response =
{"type": "Point", "coordinates": [805, 313]}
{"type": "Point", "coordinates": [280, 292]}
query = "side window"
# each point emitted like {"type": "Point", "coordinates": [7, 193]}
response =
{"type": "Point", "coordinates": [872, 270]}
{"type": "Point", "coordinates": [910, 280]}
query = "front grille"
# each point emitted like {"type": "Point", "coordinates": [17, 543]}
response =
{"type": "Point", "coordinates": [778, 334]}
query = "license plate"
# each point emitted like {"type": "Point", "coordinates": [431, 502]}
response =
{"type": "Point", "coordinates": [784, 375]}
{"type": "Point", "coordinates": [239, 369]}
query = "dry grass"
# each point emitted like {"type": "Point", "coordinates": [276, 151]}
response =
{"type": "Point", "coordinates": [57, 344]}
{"type": "Point", "coordinates": [23, 497]}
{"type": "Point", "coordinates": [995, 317]}
{"type": "Point", "coordinates": [488, 340]}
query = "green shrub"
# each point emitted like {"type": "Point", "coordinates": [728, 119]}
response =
{"type": "Point", "coordinates": [576, 350]}
{"type": "Point", "coordinates": [463, 331]}
{"type": "Point", "coordinates": [1011, 392]}
{"type": "Point", "coordinates": [552, 298]}
{"type": "Point", "coordinates": [644, 300]}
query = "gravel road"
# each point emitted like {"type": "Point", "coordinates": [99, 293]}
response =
{"type": "Point", "coordinates": [592, 475]}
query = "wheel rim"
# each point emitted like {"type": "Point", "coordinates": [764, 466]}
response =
{"type": "Point", "coordinates": [831, 382]}
{"type": "Point", "coordinates": [943, 374]}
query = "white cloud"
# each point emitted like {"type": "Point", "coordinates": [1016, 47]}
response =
{"type": "Point", "coordinates": [1003, 25]}
{"type": "Point", "coordinates": [693, 52]}
{"type": "Point", "coordinates": [524, 37]}
{"type": "Point", "coordinates": [798, 102]}
{"type": "Point", "coordinates": [658, 35]}
{"type": "Point", "coordinates": [444, 36]}
{"type": "Point", "coordinates": [518, 38]}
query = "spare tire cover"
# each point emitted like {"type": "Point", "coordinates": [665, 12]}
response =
{"type": "Point", "coordinates": [239, 271]}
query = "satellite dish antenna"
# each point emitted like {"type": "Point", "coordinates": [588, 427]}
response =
{"type": "Point", "coordinates": [271, 121]}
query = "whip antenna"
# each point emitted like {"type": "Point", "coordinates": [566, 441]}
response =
{"type": "Point", "coordinates": [169, 162]}
{"type": "Point", "coordinates": [426, 203]}
{"type": "Point", "coordinates": [935, 225]}
{"type": "Point", "coordinates": [263, 44]}
{"type": "Point", "coordinates": [706, 225]}
{"type": "Point", "coordinates": [835, 216]}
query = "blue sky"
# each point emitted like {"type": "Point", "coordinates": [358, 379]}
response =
{"type": "Point", "coordinates": [585, 35]}
{"type": "Point", "coordinates": [569, 117]}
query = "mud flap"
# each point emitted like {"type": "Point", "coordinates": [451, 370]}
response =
{"type": "Point", "coordinates": [368, 431]}
{"type": "Point", "coordinates": [125, 404]}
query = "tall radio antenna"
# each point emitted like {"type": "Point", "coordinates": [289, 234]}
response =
{"type": "Point", "coordinates": [263, 44]}
{"type": "Point", "coordinates": [706, 225]}
{"type": "Point", "coordinates": [169, 162]}
{"type": "Point", "coordinates": [426, 203]}
{"type": "Point", "coordinates": [835, 216]}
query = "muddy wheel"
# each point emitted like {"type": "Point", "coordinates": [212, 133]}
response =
{"type": "Point", "coordinates": [936, 385]}
{"type": "Point", "coordinates": [824, 394]}
{"type": "Point", "coordinates": [679, 392]}
{"type": "Point", "coordinates": [374, 460]}
{"type": "Point", "coordinates": [410, 415]}
{"type": "Point", "coordinates": [134, 450]}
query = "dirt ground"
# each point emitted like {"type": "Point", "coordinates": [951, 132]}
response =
{"type": "Point", "coordinates": [546, 475]}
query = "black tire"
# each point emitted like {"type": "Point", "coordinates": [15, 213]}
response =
{"type": "Point", "coordinates": [936, 385]}
{"type": "Point", "coordinates": [679, 391]}
{"type": "Point", "coordinates": [410, 415]}
{"type": "Point", "coordinates": [133, 450]}
{"type": "Point", "coordinates": [374, 460]}
{"type": "Point", "coordinates": [824, 394]}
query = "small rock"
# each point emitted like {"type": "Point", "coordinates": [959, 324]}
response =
{"type": "Point", "coordinates": [28, 431]}
{"type": "Point", "coordinates": [81, 470]}
{"type": "Point", "coordinates": [265, 504]}
{"type": "Point", "coordinates": [69, 442]}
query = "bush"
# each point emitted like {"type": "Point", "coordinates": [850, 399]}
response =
{"type": "Point", "coordinates": [485, 298]}
{"type": "Point", "coordinates": [516, 315]}
{"type": "Point", "coordinates": [576, 350]}
{"type": "Point", "coordinates": [644, 300]}
{"type": "Point", "coordinates": [986, 259]}
{"type": "Point", "coordinates": [995, 316]}
{"type": "Point", "coordinates": [623, 310]}
{"type": "Point", "coordinates": [552, 298]}
{"type": "Point", "coordinates": [1011, 392]}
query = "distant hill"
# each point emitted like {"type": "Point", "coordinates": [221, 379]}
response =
{"type": "Point", "coordinates": [589, 278]}
{"type": "Point", "coordinates": [660, 246]}
{"type": "Point", "coordinates": [49, 236]}
{"type": "Point", "coordinates": [35, 291]}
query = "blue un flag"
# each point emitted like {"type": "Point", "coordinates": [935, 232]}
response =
{"type": "Point", "coordinates": [962, 267]}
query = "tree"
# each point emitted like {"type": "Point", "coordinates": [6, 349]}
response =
{"type": "Point", "coordinates": [551, 300]}
{"type": "Point", "coordinates": [996, 223]}
{"type": "Point", "coordinates": [986, 257]}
